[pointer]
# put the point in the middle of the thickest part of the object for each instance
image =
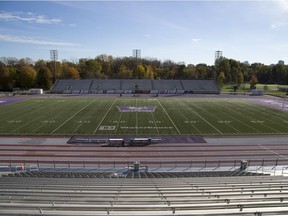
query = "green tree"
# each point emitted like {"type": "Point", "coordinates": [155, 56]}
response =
{"type": "Point", "coordinates": [90, 69]}
{"type": "Point", "coordinates": [56, 69]}
{"type": "Point", "coordinates": [106, 63]}
{"type": "Point", "coordinates": [239, 79]}
{"type": "Point", "coordinates": [279, 72]}
{"type": "Point", "coordinates": [26, 75]}
{"type": "Point", "coordinates": [73, 73]}
{"type": "Point", "coordinates": [140, 72]}
{"type": "Point", "coordinates": [221, 79]}
{"type": "Point", "coordinates": [6, 79]}
{"type": "Point", "coordinates": [201, 71]}
{"type": "Point", "coordinates": [223, 65]}
{"type": "Point", "coordinates": [40, 64]}
{"type": "Point", "coordinates": [149, 72]}
{"type": "Point", "coordinates": [234, 70]}
{"type": "Point", "coordinates": [124, 72]}
{"type": "Point", "coordinates": [253, 80]}
{"type": "Point", "coordinates": [44, 77]}
{"type": "Point", "coordinates": [69, 72]}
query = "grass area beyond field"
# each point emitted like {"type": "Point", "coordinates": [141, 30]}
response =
{"type": "Point", "coordinates": [173, 116]}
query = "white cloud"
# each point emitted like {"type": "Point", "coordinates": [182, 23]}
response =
{"type": "Point", "coordinates": [196, 39]}
{"type": "Point", "coordinates": [28, 17]}
{"type": "Point", "coordinates": [278, 25]}
{"type": "Point", "coordinates": [282, 4]}
{"type": "Point", "coordinates": [29, 40]}
{"type": "Point", "coordinates": [72, 25]}
{"type": "Point", "coordinates": [280, 12]}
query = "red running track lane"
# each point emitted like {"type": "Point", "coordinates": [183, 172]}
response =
{"type": "Point", "coordinates": [169, 154]}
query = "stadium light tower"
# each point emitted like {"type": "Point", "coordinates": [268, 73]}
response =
{"type": "Point", "coordinates": [218, 54]}
{"type": "Point", "coordinates": [54, 58]}
{"type": "Point", "coordinates": [137, 53]}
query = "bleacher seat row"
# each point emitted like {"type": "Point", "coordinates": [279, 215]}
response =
{"type": "Point", "coordinates": [118, 86]}
{"type": "Point", "coordinates": [167, 194]}
{"type": "Point", "coordinates": [88, 174]}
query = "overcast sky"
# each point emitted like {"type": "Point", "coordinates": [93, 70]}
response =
{"type": "Point", "coordinates": [189, 31]}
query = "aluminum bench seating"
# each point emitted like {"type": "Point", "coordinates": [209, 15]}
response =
{"type": "Point", "coordinates": [131, 174]}
{"type": "Point", "coordinates": [129, 85]}
{"type": "Point", "coordinates": [241, 195]}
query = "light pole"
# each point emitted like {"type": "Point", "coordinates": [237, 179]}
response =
{"type": "Point", "coordinates": [54, 58]}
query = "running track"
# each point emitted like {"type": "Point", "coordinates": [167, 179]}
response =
{"type": "Point", "coordinates": [216, 151]}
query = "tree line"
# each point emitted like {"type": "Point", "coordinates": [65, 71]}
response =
{"type": "Point", "coordinates": [25, 73]}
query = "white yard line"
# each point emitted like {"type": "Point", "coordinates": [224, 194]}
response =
{"type": "Point", "coordinates": [169, 117]}
{"type": "Point", "coordinates": [253, 108]}
{"type": "Point", "coordinates": [136, 119]}
{"type": "Point", "coordinates": [72, 116]}
{"type": "Point", "coordinates": [241, 122]}
{"type": "Point", "coordinates": [118, 123]}
{"type": "Point", "coordinates": [104, 116]}
{"type": "Point", "coordinates": [219, 119]}
{"type": "Point", "coordinates": [80, 125]}
{"type": "Point", "coordinates": [155, 122]}
{"type": "Point", "coordinates": [119, 119]}
{"type": "Point", "coordinates": [189, 120]}
{"type": "Point", "coordinates": [203, 119]}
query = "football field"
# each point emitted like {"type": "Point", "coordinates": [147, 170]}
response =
{"type": "Point", "coordinates": [140, 116]}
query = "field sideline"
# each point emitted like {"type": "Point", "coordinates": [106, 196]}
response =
{"type": "Point", "coordinates": [140, 116]}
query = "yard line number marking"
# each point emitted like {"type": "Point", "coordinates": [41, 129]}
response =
{"type": "Point", "coordinates": [72, 116]}
{"type": "Point", "coordinates": [203, 118]}
{"type": "Point", "coordinates": [105, 116]}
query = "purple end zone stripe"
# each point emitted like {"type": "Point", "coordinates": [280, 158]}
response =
{"type": "Point", "coordinates": [136, 109]}
{"type": "Point", "coordinates": [9, 100]}
{"type": "Point", "coordinates": [280, 104]}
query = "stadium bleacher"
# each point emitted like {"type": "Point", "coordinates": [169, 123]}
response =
{"type": "Point", "coordinates": [143, 194]}
{"type": "Point", "coordinates": [200, 86]}
{"type": "Point", "coordinates": [89, 174]}
{"type": "Point", "coordinates": [72, 86]}
{"type": "Point", "coordinates": [112, 84]}
{"type": "Point", "coordinates": [136, 85]}
{"type": "Point", "coordinates": [167, 85]}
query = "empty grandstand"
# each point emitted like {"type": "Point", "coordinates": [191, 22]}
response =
{"type": "Point", "coordinates": [142, 193]}
{"type": "Point", "coordinates": [135, 86]}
